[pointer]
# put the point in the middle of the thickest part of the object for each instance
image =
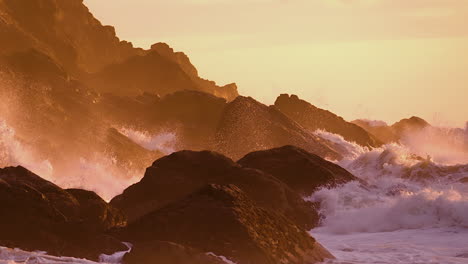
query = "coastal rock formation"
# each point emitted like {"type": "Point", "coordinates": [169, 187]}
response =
{"type": "Point", "coordinates": [179, 174]}
{"type": "Point", "coordinates": [313, 118]}
{"type": "Point", "coordinates": [38, 215]}
{"type": "Point", "coordinates": [411, 124]}
{"type": "Point", "coordinates": [304, 172]}
{"type": "Point", "coordinates": [248, 125]}
{"type": "Point", "coordinates": [223, 220]}
{"type": "Point", "coordinates": [64, 30]}
{"type": "Point", "coordinates": [395, 132]}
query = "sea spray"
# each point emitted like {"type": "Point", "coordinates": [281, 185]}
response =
{"type": "Point", "coordinates": [413, 209]}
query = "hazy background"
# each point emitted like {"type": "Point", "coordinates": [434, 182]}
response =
{"type": "Point", "coordinates": [377, 59]}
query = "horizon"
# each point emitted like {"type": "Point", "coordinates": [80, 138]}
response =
{"type": "Point", "coordinates": [408, 54]}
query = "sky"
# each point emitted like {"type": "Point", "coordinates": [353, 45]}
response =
{"type": "Point", "coordinates": [374, 59]}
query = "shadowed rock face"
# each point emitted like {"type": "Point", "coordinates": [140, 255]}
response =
{"type": "Point", "coordinates": [64, 30]}
{"type": "Point", "coordinates": [167, 252]}
{"type": "Point", "coordinates": [304, 172]}
{"type": "Point", "coordinates": [223, 220]}
{"type": "Point", "coordinates": [68, 33]}
{"type": "Point", "coordinates": [313, 118]}
{"type": "Point", "coordinates": [248, 125]}
{"type": "Point", "coordinates": [38, 215]}
{"type": "Point", "coordinates": [179, 174]}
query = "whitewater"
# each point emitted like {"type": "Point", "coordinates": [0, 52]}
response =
{"type": "Point", "coordinates": [412, 209]}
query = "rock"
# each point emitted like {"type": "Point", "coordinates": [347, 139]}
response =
{"type": "Point", "coordinates": [167, 252]}
{"type": "Point", "coordinates": [159, 71]}
{"type": "Point", "coordinates": [127, 154]}
{"type": "Point", "coordinates": [395, 132]}
{"type": "Point", "coordinates": [411, 124]}
{"type": "Point", "coordinates": [65, 30]}
{"type": "Point", "coordinates": [38, 215]}
{"type": "Point", "coordinates": [223, 220]}
{"type": "Point", "coordinates": [313, 118]}
{"type": "Point", "coordinates": [96, 215]}
{"type": "Point", "coordinates": [304, 172]}
{"type": "Point", "coordinates": [248, 125]}
{"type": "Point", "coordinates": [179, 174]}
{"type": "Point", "coordinates": [464, 180]}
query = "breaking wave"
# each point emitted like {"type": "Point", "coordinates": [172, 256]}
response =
{"type": "Point", "coordinates": [403, 191]}
{"type": "Point", "coordinates": [98, 173]}
{"type": "Point", "coordinates": [413, 209]}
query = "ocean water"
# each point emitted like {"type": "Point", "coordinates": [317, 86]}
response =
{"type": "Point", "coordinates": [412, 210]}
{"type": "Point", "coordinates": [17, 256]}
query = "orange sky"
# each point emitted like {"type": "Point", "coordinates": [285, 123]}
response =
{"type": "Point", "coordinates": [377, 59]}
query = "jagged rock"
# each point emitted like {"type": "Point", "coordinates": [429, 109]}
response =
{"type": "Point", "coordinates": [64, 30]}
{"type": "Point", "coordinates": [179, 174]}
{"type": "Point", "coordinates": [248, 125]}
{"type": "Point", "coordinates": [313, 118]}
{"type": "Point", "coordinates": [304, 172]}
{"type": "Point", "coordinates": [223, 220]}
{"type": "Point", "coordinates": [38, 215]}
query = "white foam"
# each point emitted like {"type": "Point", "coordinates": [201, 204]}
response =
{"type": "Point", "coordinates": [414, 210]}
{"type": "Point", "coordinates": [223, 258]}
{"type": "Point", "coordinates": [163, 142]}
{"type": "Point", "coordinates": [17, 256]}
{"type": "Point", "coordinates": [417, 246]}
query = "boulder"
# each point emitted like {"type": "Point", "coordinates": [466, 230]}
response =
{"type": "Point", "coordinates": [223, 220]}
{"type": "Point", "coordinates": [313, 118]}
{"type": "Point", "coordinates": [248, 125]}
{"type": "Point", "coordinates": [304, 172]}
{"type": "Point", "coordinates": [179, 174]}
{"type": "Point", "coordinates": [38, 215]}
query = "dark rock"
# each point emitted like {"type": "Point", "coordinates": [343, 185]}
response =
{"type": "Point", "coordinates": [248, 125]}
{"type": "Point", "coordinates": [313, 118]}
{"type": "Point", "coordinates": [223, 220]}
{"type": "Point", "coordinates": [38, 215]}
{"type": "Point", "coordinates": [96, 215]}
{"type": "Point", "coordinates": [167, 252]}
{"type": "Point", "coordinates": [179, 174]}
{"type": "Point", "coordinates": [304, 172]}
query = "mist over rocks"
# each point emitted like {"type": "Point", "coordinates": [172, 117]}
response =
{"type": "Point", "coordinates": [313, 118]}
{"type": "Point", "coordinates": [179, 174]}
{"type": "Point", "coordinates": [223, 220]}
{"type": "Point", "coordinates": [396, 131]}
{"type": "Point", "coordinates": [304, 172]}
